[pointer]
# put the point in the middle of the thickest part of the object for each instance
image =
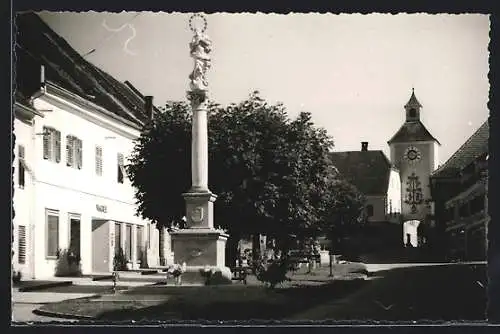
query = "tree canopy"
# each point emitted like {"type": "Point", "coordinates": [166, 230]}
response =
{"type": "Point", "coordinates": [272, 174]}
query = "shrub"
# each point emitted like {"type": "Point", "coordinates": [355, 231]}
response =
{"type": "Point", "coordinates": [16, 276]}
{"type": "Point", "coordinates": [274, 272]}
{"type": "Point", "coordinates": [68, 264]}
{"type": "Point", "coordinates": [120, 261]}
{"type": "Point", "coordinates": [214, 276]}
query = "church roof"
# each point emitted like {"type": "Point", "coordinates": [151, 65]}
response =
{"type": "Point", "coordinates": [369, 171]}
{"type": "Point", "coordinates": [413, 102]}
{"type": "Point", "coordinates": [37, 44]}
{"type": "Point", "coordinates": [412, 131]}
{"type": "Point", "coordinates": [474, 147]}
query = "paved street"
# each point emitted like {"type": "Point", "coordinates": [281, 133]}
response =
{"type": "Point", "coordinates": [438, 292]}
{"type": "Point", "coordinates": [406, 292]}
{"type": "Point", "coordinates": [23, 304]}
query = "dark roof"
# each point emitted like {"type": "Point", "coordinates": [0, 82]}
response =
{"type": "Point", "coordinates": [474, 147]}
{"type": "Point", "coordinates": [413, 102]}
{"type": "Point", "coordinates": [369, 171]}
{"type": "Point", "coordinates": [37, 44]}
{"type": "Point", "coordinates": [412, 131]}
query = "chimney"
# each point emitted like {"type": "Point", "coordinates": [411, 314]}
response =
{"type": "Point", "coordinates": [149, 107]}
{"type": "Point", "coordinates": [364, 146]}
{"type": "Point", "coordinates": [42, 76]}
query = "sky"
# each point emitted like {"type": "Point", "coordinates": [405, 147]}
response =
{"type": "Point", "coordinates": [352, 72]}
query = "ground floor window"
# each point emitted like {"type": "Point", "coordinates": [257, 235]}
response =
{"type": "Point", "coordinates": [52, 233]}
{"type": "Point", "coordinates": [128, 242]}
{"type": "Point", "coordinates": [149, 236]}
{"type": "Point", "coordinates": [118, 237]}
{"type": "Point", "coordinates": [140, 243]}
{"type": "Point", "coordinates": [74, 235]}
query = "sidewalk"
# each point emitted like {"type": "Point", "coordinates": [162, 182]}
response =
{"type": "Point", "coordinates": [374, 267]}
{"type": "Point", "coordinates": [45, 297]}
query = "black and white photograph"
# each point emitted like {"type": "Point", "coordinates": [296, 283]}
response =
{"type": "Point", "coordinates": [172, 167]}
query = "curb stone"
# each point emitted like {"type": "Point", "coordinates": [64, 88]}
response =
{"type": "Point", "coordinates": [62, 315]}
{"type": "Point", "coordinates": [45, 286]}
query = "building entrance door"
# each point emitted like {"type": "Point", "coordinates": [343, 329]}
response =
{"type": "Point", "coordinates": [100, 246]}
{"type": "Point", "coordinates": [74, 236]}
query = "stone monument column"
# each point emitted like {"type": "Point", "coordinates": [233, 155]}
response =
{"type": "Point", "coordinates": [200, 245]}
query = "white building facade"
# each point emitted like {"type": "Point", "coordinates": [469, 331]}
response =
{"type": "Point", "coordinates": [76, 194]}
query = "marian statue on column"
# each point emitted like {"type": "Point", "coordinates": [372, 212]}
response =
{"type": "Point", "coordinates": [200, 46]}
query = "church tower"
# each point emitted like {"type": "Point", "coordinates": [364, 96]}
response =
{"type": "Point", "coordinates": [414, 151]}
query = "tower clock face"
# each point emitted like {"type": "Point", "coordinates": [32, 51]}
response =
{"type": "Point", "coordinates": [412, 154]}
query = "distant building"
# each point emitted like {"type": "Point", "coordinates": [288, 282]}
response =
{"type": "Point", "coordinates": [460, 189]}
{"type": "Point", "coordinates": [75, 127]}
{"type": "Point", "coordinates": [414, 151]}
{"type": "Point", "coordinates": [397, 190]}
{"type": "Point", "coordinates": [374, 176]}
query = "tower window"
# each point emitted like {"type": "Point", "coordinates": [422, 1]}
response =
{"type": "Point", "coordinates": [413, 112]}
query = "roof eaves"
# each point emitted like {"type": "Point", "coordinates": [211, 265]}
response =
{"type": "Point", "coordinates": [64, 93]}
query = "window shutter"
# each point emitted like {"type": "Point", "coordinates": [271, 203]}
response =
{"type": "Point", "coordinates": [120, 168]}
{"type": "Point", "coordinates": [21, 244]}
{"type": "Point", "coordinates": [120, 159]}
{"type": "Point", "coordinates": [69, 151]}
{"type": "Point", "coordinates": [57, 145]}
{"type": "Point", "coordinates": [21, 164]}
{"type": "Point", "coordinates": [98, 160]}
{"type": "Point", "coordinates": [79, 152]}
{"type": "Point", "coordinates": [47, 135]}
{"type": "Point", "coordinates": [20, 152]}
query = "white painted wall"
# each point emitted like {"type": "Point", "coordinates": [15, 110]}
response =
{"type": "Point", "coordinates": [393, 204]}
{"type": "Point", "coordinates": [23, 198]}
{"type": "Point", "coordinates": [74, 191]}
{"type": "Point", "coordinates": [423, 169]}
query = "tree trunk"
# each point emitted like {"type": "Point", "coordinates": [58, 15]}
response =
{"type": "Point", "coordinates": [255, 246]}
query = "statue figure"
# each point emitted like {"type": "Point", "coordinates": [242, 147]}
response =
{"type": "Point", "coordinates": [200, 47]}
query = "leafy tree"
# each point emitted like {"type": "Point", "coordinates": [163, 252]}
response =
{"type": "Point", "coordinates": [269, 172]}
{"type": "Point", "coordinates": [160, 165]}
{"type": "Point", "coordinates": [343, 207]}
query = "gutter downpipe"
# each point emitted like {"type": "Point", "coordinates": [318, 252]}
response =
{"type": "Point", "coordinates": [41, 92]}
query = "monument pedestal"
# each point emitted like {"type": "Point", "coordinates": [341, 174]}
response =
{"type": "Point", "coordinates": [200, 246]}
{"type": "Point", "coordinates": [200, 249]}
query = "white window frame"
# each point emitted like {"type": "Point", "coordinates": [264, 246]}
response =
{"type": "Point", "coordinates": [53, 213]}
